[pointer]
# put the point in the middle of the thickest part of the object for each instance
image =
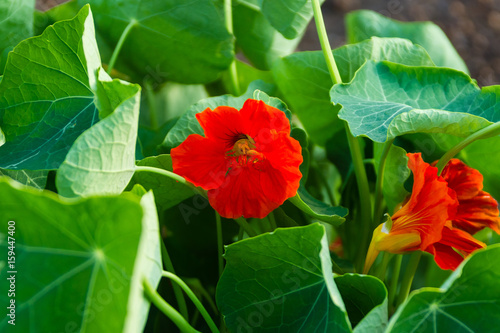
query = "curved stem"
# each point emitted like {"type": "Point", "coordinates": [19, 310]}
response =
{"type": "Point", "coordinates": [393, 286]}
{"type": "Point", "coordinates": [228, 14]}
{"type": "Point", "coordinates": [354, 146]}
{"type": "Point", "coordinates": [193, 298]}
{"type": "Point", "coordinates": [377, 206]}
{"type": "Point", "coordinates": [179, 296]}
{"type": "Point", "coordinates": [166, 308]}
{"type": "Point", "coordinates": [150, 98]}
{"type": "Point", "coordinates": [247, 227]}
{"type": "Point", "coordinates": [410, 271]}
{"type": "Point", "coordinates": [119, 45]}
{"type": "Point", "coordinates": [272, 221]}
{"type": "Point", "coordinates": [220, 244]}
{"type": "Point", "coordinates": [481, 134]}
{"type": "Point", "coordinates": [163, 172]}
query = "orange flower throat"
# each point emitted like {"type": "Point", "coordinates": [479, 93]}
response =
{"type": "Point", "coordinates": [244, 152]}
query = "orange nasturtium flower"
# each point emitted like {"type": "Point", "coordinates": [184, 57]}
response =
{"type": "Point", "coordinates": [439, 216]}
{"type": "Point", "coordinates": [247, 160]}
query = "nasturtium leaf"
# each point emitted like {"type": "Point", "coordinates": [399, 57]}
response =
{"type": "Point", "coordinates": [102, 159]}
{"type": "Point", "coordinates": [167, 191]}
{"type": "Point", "coordinates": [281, 282]}
{"type": "Point", "coordinates": [365, 298]}
{"type": "Point", "coordinates": [301, 136]}
{"type": "Point", "coordinates": [46, 94]}
{"type": "Point", "coordinates": [304, 80]}
{"type": "Point", "coordinates": [467, 302]}
{"type": "Point", "coordinates": [364, 24]}
{"type": "Point", "coordinates": [396, 172]}
{"type": "Point", "coordinates": [16, 22]}
{"type": "Point", "coordinates": [246, 75]}
{"type": "Point", "coordinates": [85, 260]}
{"type": "Point", "coordinates": [33, 178]}
{"type": "Point", "coordinates": [318, 209]}
{"type": "Point", "coordinates": [261, 43]}
{"type": "Point", "coordinates": [182, 41]}
{"type": "Point", "coordinates": [187, 124]}
{"type": "Point", "coordinates": [386, 100]}
{"type": "Point", "coordinates": [289, 17]}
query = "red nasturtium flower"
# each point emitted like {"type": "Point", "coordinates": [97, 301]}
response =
{"type": "Point", "coordinates": [439, 216]}
{"type": "Point", "coordinates": [247, 160]}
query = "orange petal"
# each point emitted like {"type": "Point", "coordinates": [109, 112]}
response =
{"type": "Point", "coordinates": [464, 180]}
{"type": "Point", "coordinates": [223, 124]}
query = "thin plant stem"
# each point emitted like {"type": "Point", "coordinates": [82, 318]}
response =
{"type": "Point", "coordinates": [167, 309]}
{"type": "Point", "coordinates": [194, 299]}
{"type": "Point", "coordinates": [179, 296]}
{"type": "Point", "coordinates": [272, 221]}
{"type": "Point", "coordinates": [228, 14]}
{"type": "Point", "coordinates": [151, 104]}
{"type": "Point", "coordinates": [354, 146]}
{"type": "Point", "coordinates": [220, 245]}
{"type": "Point", "coordinates": [381, 270]}
{"type": "Point", "coordinates": [246, 226]}
{"type": "Point", "coordinates": [119, 45]}
{"type": "Point", "coordinates": [481, 134]}
{"type": "Point", "coordinates": [241, 232]}
{"type": "Point", "coordinates": [393, 285]}
{"type": "Point", "coordinates": [410, 271]}
{"type": "Point", "coordinates": [377, 206]}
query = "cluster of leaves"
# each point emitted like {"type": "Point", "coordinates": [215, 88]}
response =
{"type": "Point", "coordinates": [86, 244]}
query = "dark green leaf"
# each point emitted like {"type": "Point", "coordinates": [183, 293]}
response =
{"type": "Point", "coordinates": [301, 136]}
{"type": "Point", "coordinates": [36, 178]}
{"type": "Point", "coordinates": [79, 259]}
{"type": "Point", "coordinates": [318, 209]}
{"type": "Point", "coordinates": [467, 302]}
{"type": "Point", "coordinates": [364, 24]}
{"type": "Point", "coordinates": [281, 282]}
{"type": "Point", "coordinates": [304, 80]}
{"type": "Point", "coordinates": [386, 100]}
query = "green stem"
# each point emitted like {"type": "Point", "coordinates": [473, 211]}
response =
{"type": "Point", "coordinates": [377, 206]}
{"type": "Point", "coordinates": [410, 271]}
{"type": "Point", "coordinates": [272, 221]}
{"type": "Point", "coordinates": [228, 14]}
{"type": "Point", "coordinates": [393, 286]}
{"type": "Point", "coordinates": [220, 245]}
{"type": "Point", "coordinates": [167, 309]}
{"type": "Point", "coordinates": [246, 226]}
{"type": "Point", "coordinates": [324, 181]}
{"type": "Point", "coordinates": [163, 172]}
{"type": "Point", "coordinates": [151, 104]}
{"type": "Point", "coordinates": [381, 270]}
{"type": "Point", "coordinates": [193, 298]}
{"type": "Point", "coordinates": [119, 45]}
{"type": "Point", "coordinates": [354, 146]}
{"type": "Point", "coordinates": [179, 296]}
{"type": "Point", "coordinates": [491, 130]}
{"type": "Point", "coordinates": [241, 232]}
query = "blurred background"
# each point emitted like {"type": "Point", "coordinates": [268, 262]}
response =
{"type": "Point", "coordinates": [473, 26]}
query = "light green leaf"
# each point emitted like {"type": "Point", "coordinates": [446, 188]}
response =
{"type": "Point", "coordinates": [386, 100]}
{"type": "Point", "coordinates": [365, 299]}
{"type": "Point", "coordinates": [168, 192]}
{"type": "Point", "coordinates": [289, 17]}
{"type": "Point", "coordinates": [467, 302]}
{"type": "Point", "coordinates": [102, 159]}
{"type": "Point", "coordinates": [246, 75]}
{"type": "Point", "coordinates": [364, 24]}
{"type": "Point", "coordinates": [261, 43]}
{"type": "Point", "coordinates": [318, 209]}
{"type": "Point", "coordinates": [46, 94]}
{"type": "Point", "coordinates": [188, 124]}
{"type": "Point", "coordinates": [181, 41]}
{"type": "Point", "coordinates": [281, 282]}
{"type": "Point", "coordinates": [304, 80]}
{"type": "Point", "coordinates": [36, 178]}
{"type": "Point", "coordinates": [97, 262]}
{"type": "Point", "coordinates": [16, 22]}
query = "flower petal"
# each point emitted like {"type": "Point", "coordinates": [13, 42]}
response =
{"type": "Point", "coordinates": [260, 119]}
{"type": "Point", "coordinates": [477, 213]}
{"type": "Point", "coordinates": [223, 124]}
{"type": "Point", "coordinates": [201, 161]}
{"type": "Point", "coordinates": [464, 180]}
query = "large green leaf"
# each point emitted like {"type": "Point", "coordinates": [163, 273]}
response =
{"type": "Point", "coordinates": [16, 22]}
{"type": "Point", "coordinates": [102, 159]}
{"type": "Point", "coordinates": [365, 299]}
{"type": "Point", "coordinates": [289, 17]}
{"type": "Point", "coordinates": [386, 100]}
{"type": "Point", "coordinates": [261, 43]}
{"type": "Point", "coordinates": [364, 24]}
{"type": "Point", "coordinates": [78, 259]}
{"type": "Point", "coordinates": [281, 282]}
{"type": "Point", "coordinates": [168, 192]}
{"type": "Point", "coordinates": [46, 94]}
{"type": "Point", "coordinates": [183, 41]}
{"type": "Point", "coordinates": [304, 80]}
{"type": "Point", "coordinates": [187, 124]}
{"type": "Point", "coordinates": [468, 301]}
{"type": "Point", "coordinates": [36, 178]}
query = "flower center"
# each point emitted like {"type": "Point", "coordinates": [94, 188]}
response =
{"type": "Point", "coordinates": [244, 152]}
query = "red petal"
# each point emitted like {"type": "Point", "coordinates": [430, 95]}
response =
{"type": "Point", "coordinates": [222, 124]}
{"type": "Point", "coordinates": [201, 161]}
{"type": "Point", "coordinates": [444, 256]}
{"type": "Point", "coordinates": [477, 213]}
{"type": "Point", "coordinates": [260, 119]}
{"type": "Point", "coordinates": [464, 180]}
